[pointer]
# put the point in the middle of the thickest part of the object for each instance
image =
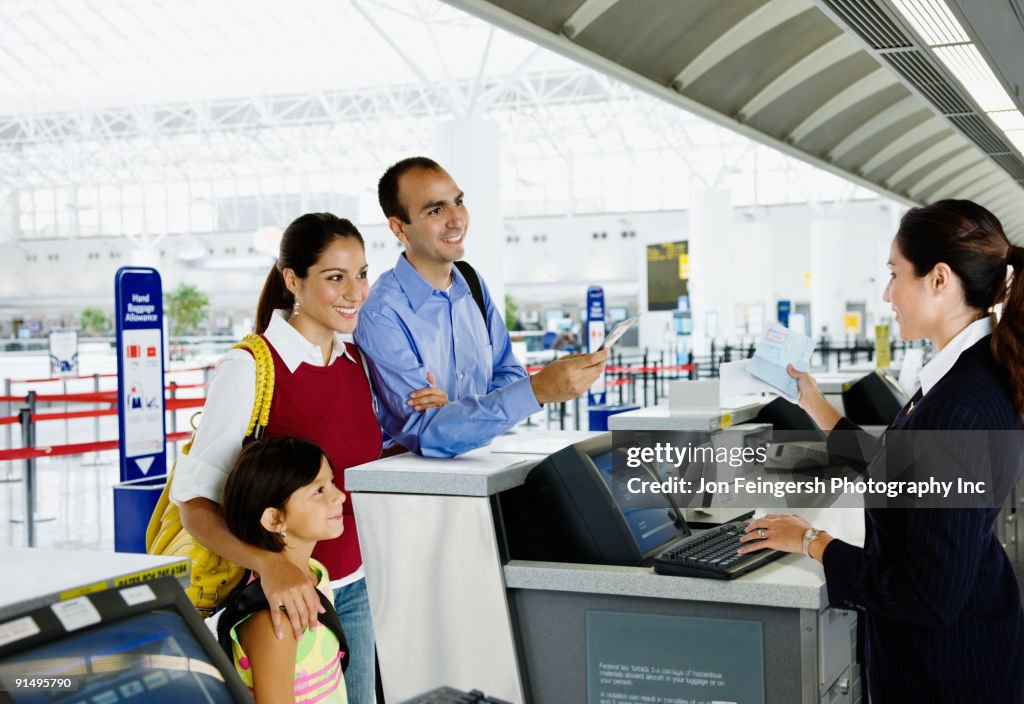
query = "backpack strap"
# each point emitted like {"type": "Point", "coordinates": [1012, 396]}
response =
{"type": "Point", "coordinates": [469, 273]}
{"type": "Point", "coordinates": [249, 598]}
{"type": "Point", "coordinates": [260, 417]}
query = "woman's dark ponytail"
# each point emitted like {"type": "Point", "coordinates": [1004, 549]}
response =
{"type": "Point", "coordinates": [274, 295]}
{"type": "Point", "coordinates": [1008, 338]}
{"type": "Point", "coordinates": [302, 243]}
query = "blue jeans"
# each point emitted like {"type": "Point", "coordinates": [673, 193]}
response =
{"type": "Point", "coordinates": [353, 607]}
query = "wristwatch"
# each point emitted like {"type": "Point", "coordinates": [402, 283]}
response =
{"type": "Point", "coordinates": [809, 536]}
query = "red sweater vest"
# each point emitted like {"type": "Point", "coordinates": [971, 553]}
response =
{"type": "Point", "coordinates": [333, 407]}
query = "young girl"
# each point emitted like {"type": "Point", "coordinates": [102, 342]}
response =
{"type": "Point", "coordinates": [280, 496]}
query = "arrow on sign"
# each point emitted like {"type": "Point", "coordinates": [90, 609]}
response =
{"type": "Point", "coordinates": [144, 463]}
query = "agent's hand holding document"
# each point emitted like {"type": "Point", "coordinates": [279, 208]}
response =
{"type": "Point", "coordinates": [777, 348]}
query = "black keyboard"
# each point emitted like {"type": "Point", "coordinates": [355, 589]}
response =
{"type": "Point", "coordinates": [448, 695]}
{"type": "Point", "coordinates": [712, 554]}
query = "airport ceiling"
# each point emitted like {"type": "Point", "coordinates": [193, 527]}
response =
{"type": "Point", "coordinates": [849, 85]}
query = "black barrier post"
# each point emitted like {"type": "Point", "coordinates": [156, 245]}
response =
{"type": "Point", "coordinates": [644, 375]}
{"type": "Point", "coordinates": [28, 440]}
{"type": "Point", "coordinates": [655, 375]}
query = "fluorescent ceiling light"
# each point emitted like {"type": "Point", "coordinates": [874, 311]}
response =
{"type": "Point", "coordinates": [1007, 119]}
{"type": "Point", "coordinates": [967, 65]}
{"type": "Point", "coordinates": [1017, 137]}
{"type": "Point", "coordinates": [932, 21]}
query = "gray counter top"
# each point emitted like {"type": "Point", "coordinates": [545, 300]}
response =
{"type": "Point", "coordinates": [37, 582]}
{"type": "Point", "coordinates": [792, 581]}
{"type": "Point", "coordinates": [483, 472]}
{"type": "Point", "coordinates": [661, 418]}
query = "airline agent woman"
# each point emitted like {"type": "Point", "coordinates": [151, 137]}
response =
{"type": "Point", "coordinates": [941, 607]}
{"type": "Point", "coordinates": [321, 394]}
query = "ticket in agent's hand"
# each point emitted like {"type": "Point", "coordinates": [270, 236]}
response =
{"type": "Point", "coordinates": [777, 348]}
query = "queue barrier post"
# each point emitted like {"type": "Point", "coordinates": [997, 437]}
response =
{"type": "Point", "coordinates": [598, 415]}
{"type": "Point", "coordinates": [10, 477]}
{"type": "Point", "coordinates": [134, 502]}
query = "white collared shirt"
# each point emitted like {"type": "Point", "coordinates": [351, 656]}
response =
{"type": "Point", "coordinates": [229, 400]}
{"type": "Point", "coordinates": [941, 363]}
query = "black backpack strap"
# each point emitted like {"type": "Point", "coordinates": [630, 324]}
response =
{"type": "Point", "coordinates": [248, 599]}
{"type": "Point", "coordinates": [469, 273]}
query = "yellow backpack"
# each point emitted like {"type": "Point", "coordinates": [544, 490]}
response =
{"type": "Point", "coordinates": [213, 577]}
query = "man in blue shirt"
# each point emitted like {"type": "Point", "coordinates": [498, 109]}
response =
{"type": "Point", "coordinates": [420, 318]}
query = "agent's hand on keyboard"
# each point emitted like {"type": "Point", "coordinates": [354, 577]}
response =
{"type": "Point", "coordinates": [782, 532]}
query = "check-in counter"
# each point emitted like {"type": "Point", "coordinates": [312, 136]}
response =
{"type": "Point", "coordinates": [661, 417]}
{"type": "Point", "coordinates": [84, 627]}
{"type": "Point", "coordinates": [450, 608]}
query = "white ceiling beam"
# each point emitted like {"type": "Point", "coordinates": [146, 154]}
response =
{"type": "Point", "coordinates": [899, 110]}
{"type": "Point", "coordinates": [962, 161]}
{"type": "Point", "coordinates": [969, 175]}
{"type": "Point", "coordinates": [952, 143]}
{"type": "Point", "coordinates": [585, 14]}
{"type": "Point", "coordinates": [1004, 197]}
{"type": "Point", "coordinates": [758, 23]}
{"type": "Point", "coordinates": [1006, 202]}
{"type": "Point", "coordinates": [991, 194]}
{"type": "Point", "coordinates": [821, 59]}
{"type": "Point", "coordinates": [876, 81]}
{"type": "Point", "coordinates": [926, 130]}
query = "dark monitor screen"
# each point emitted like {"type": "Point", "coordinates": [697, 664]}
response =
{"type": "Point", "coordinates": [156, 655]}
{"type": "Point", "coordinates": [875, 399]}
{"type": "Point", "coordinates": [574, 506]}
{"type": "Point", "coordinates": [651, 527]}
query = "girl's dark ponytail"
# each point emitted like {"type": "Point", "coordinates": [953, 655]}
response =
{"type": "Point", "coordinates": [1008, 338]}
{"type": "Point", "coordinates": [274, 295]}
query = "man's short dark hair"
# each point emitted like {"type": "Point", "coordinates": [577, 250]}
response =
{"type": "Point", "coordinates": [387, 187]}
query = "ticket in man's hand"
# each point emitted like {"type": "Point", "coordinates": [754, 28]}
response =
{"type": "Point", "coordinates": [618, 331]}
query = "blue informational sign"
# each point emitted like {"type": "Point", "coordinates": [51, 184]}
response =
{"type": "Point", "coordinates": [139, 314]}
{"type": "Point", "coordinates": [784, 308]}
{"type": "Point", "coordinates": [595, 336]}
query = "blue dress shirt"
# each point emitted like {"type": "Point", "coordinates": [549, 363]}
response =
{"type": "Point", "coordinates": [408, 328]}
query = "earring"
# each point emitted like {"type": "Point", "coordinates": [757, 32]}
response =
{"type": "Point", "coordinates": [295, 308]}
{"type": "Point", "coordinates": [283, 534]}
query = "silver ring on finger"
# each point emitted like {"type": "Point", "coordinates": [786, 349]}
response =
{"type": "Point", "coordinates": [760, 533]}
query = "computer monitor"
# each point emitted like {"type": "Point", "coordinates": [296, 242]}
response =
{"type": "Point", "coordinates": [143, 644]}
{"type": "Point", "coordinates": [574, 506]}
{"type": "Point", "coordinates": [875, 399]}
{"type": "Point", "coordinates": [790, 422]}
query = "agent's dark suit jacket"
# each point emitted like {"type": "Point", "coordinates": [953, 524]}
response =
{"type": "Point", "coordinates": [941, 606]}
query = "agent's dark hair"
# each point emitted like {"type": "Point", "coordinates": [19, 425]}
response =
{"type": "Point", "coordinates": [301, 246]}
{"type": "Point", "coordinates": [387, 187]}
{"type": "Point", "coordinates": [265, 474]}
{"type": "Point", "coordinates": [970, 240]}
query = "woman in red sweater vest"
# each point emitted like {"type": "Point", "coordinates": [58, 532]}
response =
{"type": "Point", "coordinates": [321, 394]}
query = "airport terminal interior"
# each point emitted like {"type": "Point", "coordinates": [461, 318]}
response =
{"type": "Point", "coordinates": [717, 182]}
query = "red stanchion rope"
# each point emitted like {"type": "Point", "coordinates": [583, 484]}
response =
{"type": "Point", "coordinates": [104, 376]}
{"type": "Point", "coordinates": [29, 453]}
{"type": "Point", "coordinates": [171, 404]}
